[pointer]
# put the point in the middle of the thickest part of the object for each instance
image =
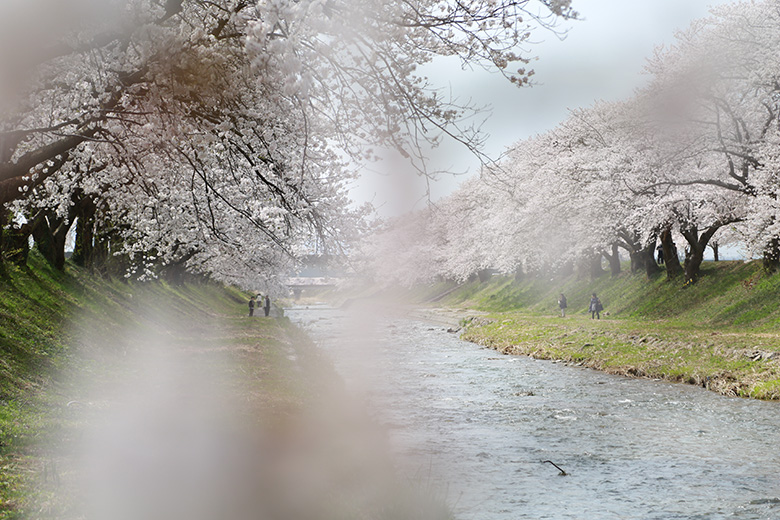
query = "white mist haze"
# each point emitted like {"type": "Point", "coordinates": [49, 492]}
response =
{"type": "Point", "coordinates": [171, 420]}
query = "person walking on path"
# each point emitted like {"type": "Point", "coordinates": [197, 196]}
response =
{"type": "Point", "coordinates": [267, 307]}
{"type": "Point", "coordinates": [562, 304]}
{"type": "Point", "coordinates": [251, 306]}
{"type": "Point", "coordinates": [595, 307]}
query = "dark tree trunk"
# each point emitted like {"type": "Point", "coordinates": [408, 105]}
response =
{"type": "Point", "coordinates": [14, 242]}
{"type": "Point", "coordinates": [671, 260]}
{"type": "Point", "coordinates": [50, 233]}
{"type": "Point", "coordinates": [637, 261]}
{"type": "Point", "coordinates": [176, 272]}
{"type": "Point", "coordinates": [648, 254]}
{"type": "Point", "coordinates": [594, 266]}
{"type": "Point", "coordinates": [630, 242]}
{"type": "Point", "coordinates": [17, 245]}
{"type": "Point", "coordinates": [651, 268]}
{"type": "Point", "coordinates": [696, 247]}
{"type": "Point", "coordinates": [100, 254]}
{"type": "Point", "coordinates": [84, 249]}
{"type": "Point", "coordinates": [693, 260]}
{"type": "Point", "coordinates": [715, 256]}
{"type": "Point", "coordinates": [771, 261]}
{"type": "Point", "coordinates": [484, 275]}
{"type": "Point", "coordinates": [108, 241]}
{"type": "Point", "coordinates": [613, 259]}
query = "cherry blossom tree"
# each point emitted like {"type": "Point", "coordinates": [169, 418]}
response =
{"type": "Point", "coordinates": [214, 134]}
{"type": "Point", "coordinates": [716, 93]}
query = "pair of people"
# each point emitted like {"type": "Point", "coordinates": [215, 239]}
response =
{"type": "Point", "coordinates": [253, 303]}
{"type": "Point", "coordinates": [594, 308]}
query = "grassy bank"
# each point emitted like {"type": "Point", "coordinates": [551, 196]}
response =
{"type": "Point", "coordinates": [79, 351]}
{"type": "Point", "coordinates": [721, 333]}
{"type": "Point", "coordinates": [53, 325]}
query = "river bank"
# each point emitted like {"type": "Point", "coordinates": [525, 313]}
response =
{"type": "Point", "coordinates": [731, 363]}
{"type": "Point", "coordinates": [478, 426]}
{"type": "Point", "coordinates": [149, 400]}
{"type": "Point", "coordinates": [722, 333]}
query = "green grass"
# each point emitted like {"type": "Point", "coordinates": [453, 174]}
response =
{"type": "Point", "coordinates": [40, 343]}
{"type": "Point", "coordinates": [727, 294]}
{"type": "Point", "coordinates": [68, 337]}
{"type": "Point", "coordinates": [722, 332]}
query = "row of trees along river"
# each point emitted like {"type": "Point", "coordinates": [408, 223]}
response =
{"type": "Point", "coordinates": [689, 161]}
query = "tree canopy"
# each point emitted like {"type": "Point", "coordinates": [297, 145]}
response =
{"type": "Point", "coordinates": [221, 136]}
{"type": "Point", "coordinates": [689, 161]}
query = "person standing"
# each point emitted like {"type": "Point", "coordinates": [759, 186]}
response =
{"type": "Point", "coordinates": [251, 306]}
{"type": "Point", "coordinates": [595, 307]}
{"type": "Point", "coordinates": [660, 254]}
{"type": "Point", "coordinates": [267, 307]}
{"type": "Point", "coordinates": [562, 304]}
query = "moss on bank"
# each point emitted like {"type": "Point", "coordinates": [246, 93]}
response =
{"type": "Point", "coordinates": [720, 333]}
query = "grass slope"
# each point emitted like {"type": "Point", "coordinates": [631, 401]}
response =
{"type": "Point", "coordinates": [39, 344]}
{"type": "Point", "coordinates": [720, 333]}
{"type": "Point", "coordinates": [74, 349]}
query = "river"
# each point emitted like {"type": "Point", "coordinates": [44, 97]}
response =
{"type": "Point", "coordinates": [476, 426]}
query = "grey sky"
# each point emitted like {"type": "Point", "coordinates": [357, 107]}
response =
{"type": "Point", "coordinates": [602, 57]}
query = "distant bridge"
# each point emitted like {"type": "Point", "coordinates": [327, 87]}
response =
{"type": "Point", "coordinates": [297, 284]}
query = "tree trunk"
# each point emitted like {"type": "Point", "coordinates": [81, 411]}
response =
{"type": "Point", "coordinates": [50, 233]}
{"type": "Point", "coordinates": [696, 247]}
{"type": "Point", "coordinates": [613, 259]}
{"type": "Point", "coordinates": [14, 243]}
{"type": "Point", "coordinates": [630, 242]}
{"type": "Point", "coordinates": [84, 249]}
{"type": "Point", "coordinates": [107, 242]}
{"type": "Point", "coordinates": [715, 257]}
{"type": "Point", "coordinates": [771, 261]}
{"type": "Point", "coordinates": [567, 269]}
{"type": "Point", "coordinates": [594, 266]}
{"type": "Point", "coordinates": [693, 260]}
{"type": "Point", "coordinates": [637, 261]}
{"type": "Point", "coordinates": [648, 254]}
{"type": "Point", "coordinates": [176, 272]}
{"type": "Point", "coordinates": [671, 260]}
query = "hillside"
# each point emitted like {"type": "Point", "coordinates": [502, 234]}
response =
{"type": "Point", "coordinates": [728, 294]}
{"type": "Point", "coordinates": [54, 325]}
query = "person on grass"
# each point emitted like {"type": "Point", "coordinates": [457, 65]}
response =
{"type": "Point", "coordinates": [595, 307]}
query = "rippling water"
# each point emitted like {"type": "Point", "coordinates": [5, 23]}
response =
{"type": "Point", "coordinates": [476, 426]}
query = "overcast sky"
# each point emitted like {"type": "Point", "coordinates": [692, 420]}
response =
{"type": "Point", "coordinates": [602, 57]}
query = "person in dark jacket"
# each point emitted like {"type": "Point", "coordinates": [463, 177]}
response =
{"type": "Point", "coordinates": [595, 307]}
{"type": "Point", "coordinates": [562, 305]}
{"type": "Point", "coordinates": [251, 306]}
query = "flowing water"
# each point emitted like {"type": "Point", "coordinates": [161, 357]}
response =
{"type": "Point", "coordinates": [476, 427]}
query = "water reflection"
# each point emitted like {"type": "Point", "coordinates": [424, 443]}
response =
{"type": "Point", "coordinates": [477, 426]}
